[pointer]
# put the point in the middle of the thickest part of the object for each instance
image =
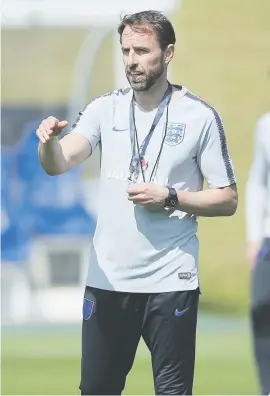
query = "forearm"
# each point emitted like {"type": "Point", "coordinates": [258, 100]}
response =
{"type": "Point", "coordinates": [51, 157]}
{"type": "Point", "coordinates": [208, 203]}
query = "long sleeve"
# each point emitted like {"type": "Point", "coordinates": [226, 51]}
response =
{"type": "Point", "coordinates": [257, 184]}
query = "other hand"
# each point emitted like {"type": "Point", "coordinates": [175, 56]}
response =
{"type": "Point", "coordinates": [252, 250]}
{"type": "Point", "coordinates": [149, 195]}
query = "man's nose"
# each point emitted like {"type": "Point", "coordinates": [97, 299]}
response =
{"type": "Point", "coordinates": [132, 60]}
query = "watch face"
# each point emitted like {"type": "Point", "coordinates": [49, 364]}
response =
{"type": "Point", "coordinates": [172, 199]}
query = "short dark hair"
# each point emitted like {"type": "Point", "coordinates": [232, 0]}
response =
{"type": "Point", "coordinates": [161, 24]}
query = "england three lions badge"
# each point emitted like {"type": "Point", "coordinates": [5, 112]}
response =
{"type": "Point", "coordinates": [175, 133]}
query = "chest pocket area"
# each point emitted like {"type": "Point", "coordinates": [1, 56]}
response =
{"type": "Point", "coordinates": [116, 147]}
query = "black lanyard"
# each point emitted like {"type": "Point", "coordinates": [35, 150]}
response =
{"type": "Point", "coordinates": [136, 159]}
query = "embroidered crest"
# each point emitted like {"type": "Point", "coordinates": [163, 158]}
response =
{"type": "Point", "coordinates": [175, 133]}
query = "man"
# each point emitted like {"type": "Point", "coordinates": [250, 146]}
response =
{"type": "Point", "coordinates": [258, 248]}
{"type": "Point", "coordinates": [158, 142]}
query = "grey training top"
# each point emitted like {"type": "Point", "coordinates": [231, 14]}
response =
{"type": "Point", "coordinates": [135, 249]}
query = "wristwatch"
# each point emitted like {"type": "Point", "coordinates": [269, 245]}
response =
{"type": "Point", "coordinates": [172, 199]}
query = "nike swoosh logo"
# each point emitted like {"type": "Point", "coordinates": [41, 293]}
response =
{"type": "Point", "coordinates": [180, 313]}
{"type": "Point", "coordinates": [119, 130]}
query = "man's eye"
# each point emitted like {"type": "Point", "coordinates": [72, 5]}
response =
{"type": "Point", "coordinates": [142, 51]}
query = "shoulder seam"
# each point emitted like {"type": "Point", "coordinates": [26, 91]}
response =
{"type": "Point", "coordinates": [117, 92]}
{"type": "Point", "coordinates": [122, 91]}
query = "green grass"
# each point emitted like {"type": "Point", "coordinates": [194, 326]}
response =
{"type": "Point", "coordinates": [49, 363]}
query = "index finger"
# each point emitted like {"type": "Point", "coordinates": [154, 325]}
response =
{"type": "Point", "coordinates": [134, 190]}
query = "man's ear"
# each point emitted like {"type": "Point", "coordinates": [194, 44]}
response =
{"type": "Point", "coordinates": [169, 53]}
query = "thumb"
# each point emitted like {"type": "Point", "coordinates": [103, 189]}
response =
{"type": "Point", "coordinates": [62, 124]}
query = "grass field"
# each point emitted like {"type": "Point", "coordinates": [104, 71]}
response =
{"type": "Point", "coordinates": [48, 362]}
